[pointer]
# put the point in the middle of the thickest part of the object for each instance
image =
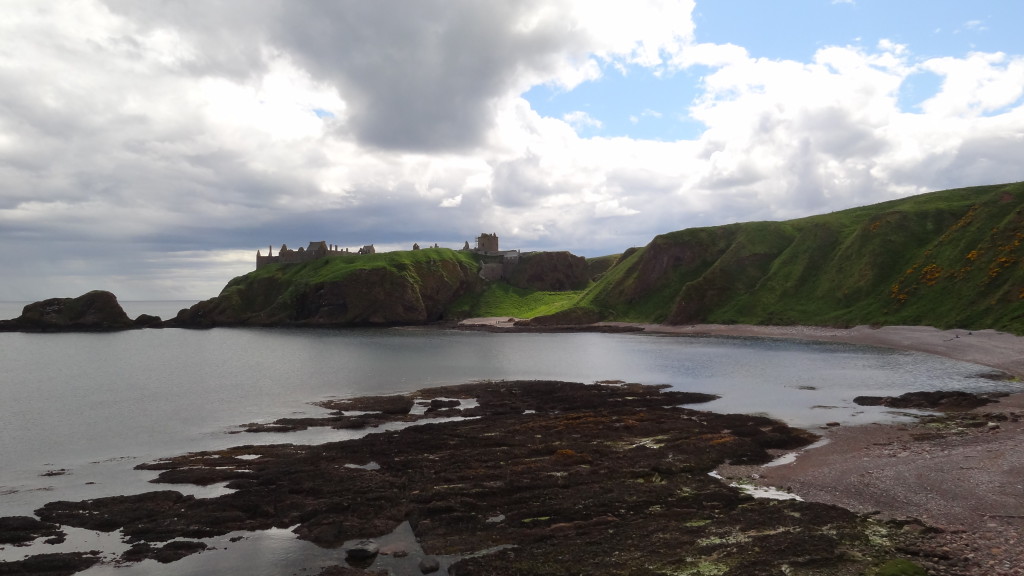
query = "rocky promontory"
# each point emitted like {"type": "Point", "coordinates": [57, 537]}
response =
{"type": "Point", "coordinates": [393, 288]}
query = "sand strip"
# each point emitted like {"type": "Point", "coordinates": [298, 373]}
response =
{"type": "Point", "coordinates": [986, 347]}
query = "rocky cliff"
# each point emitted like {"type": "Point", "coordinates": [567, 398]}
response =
{"type": "Point", "coordinates": [412, 287]}
{"type": "Point", "coordinates": [550, 271]}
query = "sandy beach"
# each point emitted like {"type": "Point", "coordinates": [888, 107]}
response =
{"type": "Point", "coordinates": [998, 350]}
{"type": "Point", "coordinates": [965, 483]}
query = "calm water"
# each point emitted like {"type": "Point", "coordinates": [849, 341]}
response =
{"type": "Point", "coordinates": [95, 405]}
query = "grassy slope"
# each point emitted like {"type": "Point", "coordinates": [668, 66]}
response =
{"type": "Point", "coordinates": [501, 299]}
{"type": "Point", "coordinates": [274, 289]}
{"type": "Point", "coordinates": [950, 258]}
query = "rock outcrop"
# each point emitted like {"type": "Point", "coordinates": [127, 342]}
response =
{"type": "Point", "coordinates": [550, 272]}
{"type": "Point", "coordinates": [96, 311]}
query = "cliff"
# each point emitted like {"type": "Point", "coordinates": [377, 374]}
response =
{"type": "Point", "coordinates": [945, 259]}
{"type": "Point", "coordinates": [949, 259]}
{"type": "Point", "coordinates": [96, 311]}
{"type": "Point", "coordinates": [411, 287]}
{"type": "Point", "coordinates": [550, 271]}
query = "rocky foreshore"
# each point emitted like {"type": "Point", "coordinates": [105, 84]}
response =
{"type": "Point", "coordinates": [958, 471]}
{"type": "Point", "coordinates": [502, 478]}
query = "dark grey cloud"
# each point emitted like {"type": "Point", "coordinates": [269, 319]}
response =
{"type": "Point", "coordinates": [521, 182]}
{"type": "Point", "coordinates": [419, 75]}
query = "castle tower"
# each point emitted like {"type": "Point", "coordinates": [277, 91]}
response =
{"type": "Point", "coordinates": [487, 243]}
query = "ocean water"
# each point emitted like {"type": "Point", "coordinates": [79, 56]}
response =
{"type": "Point", "coordinates": [163, 308]}
{"type": "Point", "coordinates": [78, 411]}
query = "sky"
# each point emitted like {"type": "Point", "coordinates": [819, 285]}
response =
{"type": "Point", "coordinates": [151, 148]}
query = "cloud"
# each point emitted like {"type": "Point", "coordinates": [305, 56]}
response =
{"type": "Point", "coordinates": [152, 148]}
{"type": "Point", "coordinates": [978, 84]}
{"type": "Point", "coordinates": [452, 202]}
{"type": "Point", "coordinates": [581, 120]}
{"type": "Point", "coordinates": [975, 25]}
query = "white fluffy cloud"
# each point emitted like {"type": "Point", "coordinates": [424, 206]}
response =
{"type": "Point", "coordinates": [146, 148]}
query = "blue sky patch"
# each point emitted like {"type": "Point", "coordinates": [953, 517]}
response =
{"type": "Point", "coordinates": [637, 104]}
{"type": "Point", "coordinates": [916, 89]}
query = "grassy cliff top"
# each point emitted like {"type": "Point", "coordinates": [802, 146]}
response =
{"type": "Point", "coordinates": [949, 259]}
{"type": "Point", "coordinates": [338, 265]}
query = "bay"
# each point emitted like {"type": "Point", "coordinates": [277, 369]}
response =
{"type": "Point", "coordinates": [79, 411]}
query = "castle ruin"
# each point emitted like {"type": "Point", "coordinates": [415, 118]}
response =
{"type": "Point", "coordinates": [496, 263]}
{"type": "Point", "coordinates": [487, 243]}
{"type": "Point", "coordinates": [314, 251]}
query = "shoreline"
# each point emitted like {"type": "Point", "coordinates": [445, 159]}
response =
{"type": "Point", "coordinates": [961, 483]}
{"type": "Point", "coordinates": [992, 348]}
{"type": "Point", "coordinates": [965, 484]}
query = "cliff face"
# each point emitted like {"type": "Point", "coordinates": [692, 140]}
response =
{"type": "Point", "coordinates": [96, 311]}
{"type": "Point", "coordinates": [550, 272]}
{"type": "Point", "coordinates": [947, 259]}
{"type": "Point", "coordinates": [413, 287]}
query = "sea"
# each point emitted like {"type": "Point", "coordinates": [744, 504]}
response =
{"type": "Point", "coordinates": [79, 411]}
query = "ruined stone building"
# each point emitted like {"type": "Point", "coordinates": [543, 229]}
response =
{"type": "Point", "coordinates": [314, 251]}
{"type": "Point", "coordinates": [496, 263]}
{"type": "Point", "coordinates": [487, 243]}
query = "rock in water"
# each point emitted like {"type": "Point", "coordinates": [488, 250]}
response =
{"type": "Point", "coordinates": [429, 565]}
{"type": "Point", "coordinates": [96, 311]}
{"type": "Point", "coordinates": [363, 550]}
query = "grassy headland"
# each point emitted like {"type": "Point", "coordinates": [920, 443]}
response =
{"type": "Point", "coordinates": [945, 259]}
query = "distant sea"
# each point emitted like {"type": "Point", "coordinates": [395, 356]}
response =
{"type": "Point", "coordinates": [163, 308]}
{"type": "Point", "coordinates": [79, 411]}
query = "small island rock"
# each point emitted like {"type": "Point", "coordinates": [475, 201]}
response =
{"type": "Point", "coordinates": [96, 311]}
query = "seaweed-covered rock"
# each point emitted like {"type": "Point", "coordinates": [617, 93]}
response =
{"type": "Point", "coordinates": [61, 564]}
{"type": "Point", "coordinates": [22, 529]}
{"type": "Point", "coordinates": [543, 476]}
{"type": "Point", "coordinates": [932, 400]}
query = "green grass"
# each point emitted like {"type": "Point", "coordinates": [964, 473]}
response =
{"type": "Point", "coordinates": [501, 299]}
{"type": "Point", "coordinates": [600, 265]}
{"type": "Point", "coordinates": [948, 259]}
{"type": "Point", "coordinates": [338, 265]}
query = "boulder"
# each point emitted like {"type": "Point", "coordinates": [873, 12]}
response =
{"type": "Point", "coordinates": [928, 400]}
{"type": "Point", "coordinates": [148, 321]}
